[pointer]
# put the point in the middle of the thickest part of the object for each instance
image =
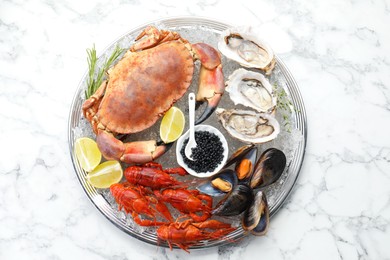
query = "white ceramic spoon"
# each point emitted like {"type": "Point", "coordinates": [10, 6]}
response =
{"type": "Point", "coordinates": [191, 141]}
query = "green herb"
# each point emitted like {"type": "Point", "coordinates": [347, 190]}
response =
{"type": "Point", "coordinates": [95, 74]}
{"type": "Point", "coordinates": [285, 106]}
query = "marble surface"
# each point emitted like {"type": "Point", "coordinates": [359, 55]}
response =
{"type": "Point", "coordinates": [338, 52]}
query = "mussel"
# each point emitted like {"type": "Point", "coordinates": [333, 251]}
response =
{"type": "Point", "coordinates": [256, 216]}
{"type": "Point", "coordinates": [219, 184]}
{"type": "Point", "coordinates": [239, 154]}
{"type": "Point", "coordinates": [226, 179]}
{"type": "Point", "coordinates": [245, 167]}
{"type": "Point", "coordinates": [235, 202]}
{"type": "Point", "coordinates": [247, 179]}
{"type": "Point", "coordinates": [268, 169]}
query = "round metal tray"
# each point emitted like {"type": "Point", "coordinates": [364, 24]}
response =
{"type": "Point", "coordinates": [291, 140]}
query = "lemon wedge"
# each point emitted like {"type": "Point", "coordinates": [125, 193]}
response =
{"type": "Point", "coordinates": [172, 125]}
{"type": "Point", "coordinates": [87, 153]}
{"type": "Point", "coordinates": [105, 174]}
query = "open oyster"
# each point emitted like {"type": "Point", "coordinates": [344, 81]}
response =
{"type": "Point", "coordinates": [243, 45]}
{"type": "Point", "coordinates": [249, 126]}
{"type": "Point", "coordinates": [251, 89]}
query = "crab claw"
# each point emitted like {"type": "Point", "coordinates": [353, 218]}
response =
{"type": "Point", "coordinates": [133, 152]}
{"type": "Point", "coordinates": [211, 80]}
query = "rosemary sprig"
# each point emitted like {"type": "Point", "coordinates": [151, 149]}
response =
{"type": "Point", "coordinates": [95, 74]}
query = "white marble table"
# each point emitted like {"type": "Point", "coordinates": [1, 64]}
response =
{"type": "Point", "coordinates": [338, 52]}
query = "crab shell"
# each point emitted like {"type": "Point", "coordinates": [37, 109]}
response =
{"type": "Point", "coordinates": [145, 84]}
{"type": "Point", "coordinates": [155, 72]}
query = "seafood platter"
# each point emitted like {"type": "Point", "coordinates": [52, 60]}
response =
{"type": "Point", "coordinates": [128, 136]}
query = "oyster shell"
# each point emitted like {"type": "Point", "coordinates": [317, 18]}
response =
{"type": "Point", "coordinates": [243, 45]}
{"type": "Point", "coordinates": [251, 89]}
{"type": "Point", "coordinates": [249, 126]}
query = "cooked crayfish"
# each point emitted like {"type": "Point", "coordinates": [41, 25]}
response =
{"type": "Point", "coordinates": [187, 233]}
{"type": "Point", "coordinates": [153, 176]}
{"type": "Point", "coordinates": [191, 202]}
{"type": "Point", "coordinates": [138, 200]}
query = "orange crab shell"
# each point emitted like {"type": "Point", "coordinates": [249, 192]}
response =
{"type": "Point", "coordinates": [143, 85]}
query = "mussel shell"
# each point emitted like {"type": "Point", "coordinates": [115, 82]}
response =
{"type": "Point", "coordinates": [225, 174]}
{"type": "Point", "coordinates": [239, 154]}
{"type": "Point", "coordinates": [260, 204]}
{"type": "Point", "coordinates": [269, 168]}
{"type": "Point", "coordinates": [235, 202]}
{"type": "Point", "coordinates": [249, 160]}
{"type": "Point", "coordinates": [261, 228]}
{"type": "Point", "coordinates": [256, 217]}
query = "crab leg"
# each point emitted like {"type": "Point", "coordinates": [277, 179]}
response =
{"type": "Point", "coordinates": [132, 152]}
{"type": "Point", "coordinates": [91, 105]}
{"type": "Point", "coordinates": [211, 81]}
{"type": "Point", "coordinates": [153, 37]}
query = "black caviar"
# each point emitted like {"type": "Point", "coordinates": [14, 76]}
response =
{"type": "Point", "coordinates": [207, 154]}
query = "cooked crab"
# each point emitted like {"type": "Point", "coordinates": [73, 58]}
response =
{"type": "Point", "coordinates": [153, 74]}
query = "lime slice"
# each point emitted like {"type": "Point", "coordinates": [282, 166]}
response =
{"type": "Point", "coordinates": [105, 174]}
{"type": "Point", "coordinates": [87, 153]}
{"type": "Point", "coordinates": [172, 125]}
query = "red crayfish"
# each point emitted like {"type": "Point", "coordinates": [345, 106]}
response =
{"type": "Point", "coordinates": [152, 175]}
{"type": "Point", "coordinates": [191, 202]}
{"type": "Point", "coordinates": [138, 200]}
{"type": "Point", "coordinates": [187, 233]}
{"type": "Point", "coordinates": [145, 193]}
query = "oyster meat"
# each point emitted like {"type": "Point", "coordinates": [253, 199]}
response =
{"type": "Point", "coordinates": [251, 89]}
{"type": "Point", "coordinates": [242, 44]}
{"type": "Point", "coordinates": [249, 126]}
